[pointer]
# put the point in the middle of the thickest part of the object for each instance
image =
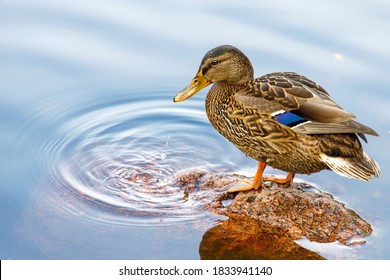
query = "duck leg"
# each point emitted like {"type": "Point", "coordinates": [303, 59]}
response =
{"type": "Point", "coordinates": [288, 180]}
{"type": "Point", "coordinates": [257, 181]}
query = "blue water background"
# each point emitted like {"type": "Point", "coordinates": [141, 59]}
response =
{"type": "Point", "coordinates": [86, 92]}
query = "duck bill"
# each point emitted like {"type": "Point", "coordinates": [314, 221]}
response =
{"type": "Point", "coordinates": [197, 83]}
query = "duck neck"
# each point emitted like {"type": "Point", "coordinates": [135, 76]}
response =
{"type": "Point", "coordinates": [219, 101]}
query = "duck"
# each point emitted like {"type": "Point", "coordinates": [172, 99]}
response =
{"type": "Point", "coordinates": [282, 119]}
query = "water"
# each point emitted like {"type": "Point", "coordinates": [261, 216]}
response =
{"type": "Point", "coordinates": [91, 138]}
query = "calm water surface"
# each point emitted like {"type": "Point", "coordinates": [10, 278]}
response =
{"type": "Point", "coordinates": [90, 138]}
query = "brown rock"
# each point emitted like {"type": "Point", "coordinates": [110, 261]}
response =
{"type": "Point", "coordinates": [301, 211]}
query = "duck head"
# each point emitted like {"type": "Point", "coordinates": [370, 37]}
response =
{"type": "Point", "coordinates": [225, 64]}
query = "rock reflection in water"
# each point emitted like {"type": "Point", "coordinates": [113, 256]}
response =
{"type": "Point", "coordinates": [246, 239]}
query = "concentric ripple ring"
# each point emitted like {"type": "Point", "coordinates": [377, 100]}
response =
{"type": "Point", "coordinates": [114, 163]}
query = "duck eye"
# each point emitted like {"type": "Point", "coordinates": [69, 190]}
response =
{"type": "Point", "coordinates": [214, 62]}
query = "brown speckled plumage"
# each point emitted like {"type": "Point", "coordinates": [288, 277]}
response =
{"type": "Point", "coordinates": [246, 111]}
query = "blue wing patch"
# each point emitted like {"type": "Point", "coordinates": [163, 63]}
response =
{"type": "Point", "coordinates": [290, 119]}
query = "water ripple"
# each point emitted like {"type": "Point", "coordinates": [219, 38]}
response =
{"type": "Point", "coordinates": [114, 162]}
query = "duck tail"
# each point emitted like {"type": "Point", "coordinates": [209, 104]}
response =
{"type": "Point", "coordinates": [363, 168]}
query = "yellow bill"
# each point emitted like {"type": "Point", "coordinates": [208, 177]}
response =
{"type": "Point", "coordinates": [197, 83]}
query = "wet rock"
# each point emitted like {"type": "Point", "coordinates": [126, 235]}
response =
{"type": "Point", "coordinates": [301, 211]}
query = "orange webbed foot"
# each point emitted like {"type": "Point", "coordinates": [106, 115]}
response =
{"type": "Point", "coordinates": [288, 180]}
{"type": "Point", "coordinates": [257, 181]}
{"type": "Point", "coordinates": [247, 187]}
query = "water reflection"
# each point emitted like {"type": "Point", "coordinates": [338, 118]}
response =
{"type": "Point", "coordinates": [248, 240]}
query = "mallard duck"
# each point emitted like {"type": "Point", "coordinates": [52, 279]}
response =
{"type": "Point", "coordinates": [281, 119]}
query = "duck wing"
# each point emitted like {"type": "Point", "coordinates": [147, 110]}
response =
{"type": "Point", "coordinates": [303, 105]}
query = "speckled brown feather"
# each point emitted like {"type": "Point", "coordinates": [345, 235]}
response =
{"type": "Point", "coordinates": [294, 92]}
{"type": "Point", "coordinates": [259, 136]}
{"type": "Point", "coordinates": [289, 91]}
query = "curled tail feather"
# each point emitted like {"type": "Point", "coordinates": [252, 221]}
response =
{"type": "Point", "coordinates": [358, 168]}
